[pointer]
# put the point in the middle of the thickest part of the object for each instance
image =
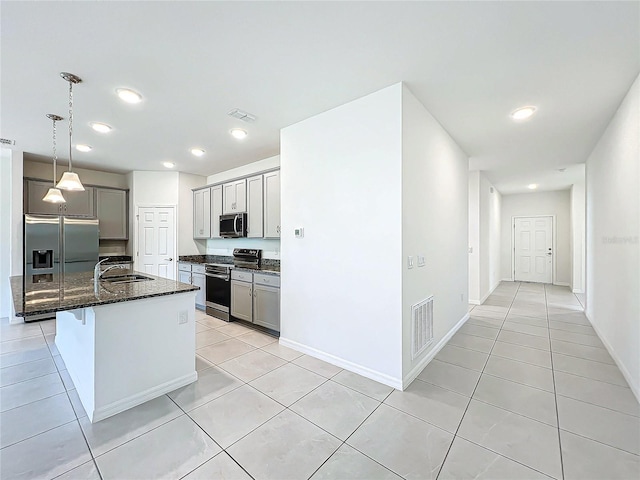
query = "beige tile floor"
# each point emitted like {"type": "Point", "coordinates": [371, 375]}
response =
{"type": "Point", "coordinates": [524, 390]}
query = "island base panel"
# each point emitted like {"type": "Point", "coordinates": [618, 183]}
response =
{"type": "Point", "coordinates": [123, 354]}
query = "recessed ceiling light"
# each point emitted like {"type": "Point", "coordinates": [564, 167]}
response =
{"type": "Point", "coordinates": [128, 95]}
{"type": "Point", "coordinates": [198, 152]}
{"type": "Point", "coordinates": [83, 148]}
{"type": "Point", "coordinates": [532, 186]}
{"type": "Point", "coordinates": [238, 133]}
{"type": "Point", "coordinates": [523, 113]}
{"type": "Point", "coordinates": [100, 127]}
{"type": "Point", "coordinates": [168, 164]}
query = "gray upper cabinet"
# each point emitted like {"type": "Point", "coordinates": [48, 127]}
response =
{"type": "Point", "coordinates": [202, 213]}
{"type": "Point", "coordinates": [235, 196]}
{"type": "Point", "coordinates": [254, 207]}
{"type": "Point", "coordinates": [216, 210]}
{"type": "Point", "coordinates": [79, 204]}
{"type": "Point", "coordinates": [272, 204]}
{"type": "Point", "coordinates": [112, 211]}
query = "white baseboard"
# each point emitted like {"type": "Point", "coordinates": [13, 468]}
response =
{"type": "Point", "coordinates": [510, 279]}
{"type": "Point", "coordinates": [635, 388]}
{"type": "Point", "coordinates": [383, 378]}
{"type": "Point", "coordinates": [126, 403]}
{"type": "Point", "coordinates": [415, 371]}
{"type": "Point", "coordinates": [562, 284]}
{"type": "Point", "coordinates": [346, 364]}
{"type": "Point", "coordinates": [483, 299]}
{"type": "Point", "coordinates": [577, 290]}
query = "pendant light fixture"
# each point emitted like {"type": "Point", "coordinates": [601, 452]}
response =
{"type": "Point", "coordinates": [70, 180]}
{"type": "Point", "coordinates": [53, 194]}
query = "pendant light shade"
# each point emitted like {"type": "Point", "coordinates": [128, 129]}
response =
{"type": "Point", "coordinates": [54, 195]}
{"type": "Point", "coordinates": [70, 180]}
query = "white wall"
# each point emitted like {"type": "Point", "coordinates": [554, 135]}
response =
{"type": "Point", "coordinates": [341, 179]}
{"type": "Point", "coordinates": [11, 244]}
{"type": "Point", "coordinates": [532, 204]}
{"type": "Point", "coordinates": [484, 237]}
{"type": "Point", "coordinates": [186, 244]}
{"type": "Point", "coordinates": [613, 230]}
{"type": "Point", "coordinates": [474, 237]}
{"type": "Point", "coordinates": [224, 246]}
{"type": "Point", "coordinates": [245, 170]}
{"type": "Point", "coordinates": [152, 189]}
{"type": "Point", "coordinates": [578, 233]}
{"type": "Point", "coordinates": [434, 225]}
{"type": "Point", "coordinates": [44, 171]}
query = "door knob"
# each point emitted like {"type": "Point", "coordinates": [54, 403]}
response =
{"type": "Point", "coordinates": [168, 259]}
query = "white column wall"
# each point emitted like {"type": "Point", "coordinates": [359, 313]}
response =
{"type": "Point", "coordinates": [613, 230]}
{"type": "Point", "coordinates": [474, 237]}
{"type": "Point", "coordinates": [578, 205]}
{"type": "Point", "coordinates": [11, 244]}
{"type": "Point", "coordinates": [484, 237]}
{"type": "Point", "coordinates": [341, 180]}
{"type": "Point", "coordinates": [435, 218]}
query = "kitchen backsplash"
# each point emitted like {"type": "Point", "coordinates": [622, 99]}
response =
{"type": "Point", "coordinates": [225, 246]}
{"type": "Point", "coordinates": [112, 247]}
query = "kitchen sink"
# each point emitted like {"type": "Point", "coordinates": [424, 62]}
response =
{"type": "Point", "coordinates": [128, 278]}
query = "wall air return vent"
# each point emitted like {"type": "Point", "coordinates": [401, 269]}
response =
{"type": "Point", "coordinates": [6, 141]}
{"type": "Point", "coordinates": [421, 326]}
{"type": "Point", "coordinates": [244, 116]}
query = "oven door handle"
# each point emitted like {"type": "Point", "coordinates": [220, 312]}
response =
{"type": "Point", "coordinates": [221, 277]}
{"type": "Point", "coordinates": [235, 225]}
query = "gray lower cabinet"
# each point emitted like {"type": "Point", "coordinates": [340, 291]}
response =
{"type": "Point", "coordinates": [256, 298]}
{"type": "Point", "coordinates": [193, 274]}
{"type": "Point", "coordinates": [242, 300]}
{"type": "Point", "coordinates": [266, 306]}
{"type": "Point", "coordinates": [198, 279]}
{"type": "Point", "coordinates": [112, 211]}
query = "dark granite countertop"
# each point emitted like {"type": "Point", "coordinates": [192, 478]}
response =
{"type": "Point", "coordinates": [35, 295]}
{"type": "Point", "coordinates": [267, 265]}
{"type": "Point", "coordinates": [111, 259]}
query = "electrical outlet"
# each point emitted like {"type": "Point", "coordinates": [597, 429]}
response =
{"type": "Point", "coordinates": [183, 317]}
{"type": "Point", "coordinates": [409, 262]}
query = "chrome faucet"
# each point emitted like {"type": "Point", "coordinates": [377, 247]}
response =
{"type": "Point", "coordinates": [97, 274]}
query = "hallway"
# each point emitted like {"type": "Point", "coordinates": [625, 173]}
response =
{"type": "Point", "coordinates": [544, 391]}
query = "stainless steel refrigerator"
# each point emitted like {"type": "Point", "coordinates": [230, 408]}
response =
{"type": "Point", "coordinates": [54, 244]}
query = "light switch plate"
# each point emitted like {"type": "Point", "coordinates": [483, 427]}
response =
{"type": "Point", "coordinates": [299, 232]}
{"type": "Point", "coordinates": [421, 260]}
{"type": "Point", "coordinates": [409, 262]}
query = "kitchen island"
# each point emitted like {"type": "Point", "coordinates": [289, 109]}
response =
{"type": "Point", "coordinates": [123, 343]}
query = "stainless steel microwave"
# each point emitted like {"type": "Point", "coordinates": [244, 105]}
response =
{"type": "Point", "coordinates": [233, 225]}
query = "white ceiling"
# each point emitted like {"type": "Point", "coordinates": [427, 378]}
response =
{"type": "Point", "coordinates": [470, 63]}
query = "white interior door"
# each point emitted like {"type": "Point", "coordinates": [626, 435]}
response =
{"type": "Point", "coordinates": [156, 245]}
{"type": "Point", "coordinates": [533, 249]}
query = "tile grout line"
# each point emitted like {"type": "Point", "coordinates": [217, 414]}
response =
{"type": "Point", "coordinates": [476, 387]}
{"type": "Point", "coordinates": [555, 390]}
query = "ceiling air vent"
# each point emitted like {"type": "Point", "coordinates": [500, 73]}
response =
{"type": "Point", "coordinates": [244, 116]}
{"type": "Point", "coordinates": [6, 141]}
